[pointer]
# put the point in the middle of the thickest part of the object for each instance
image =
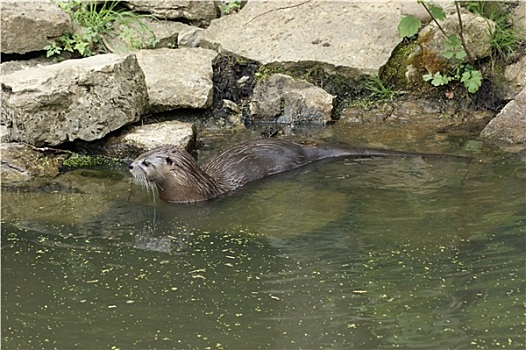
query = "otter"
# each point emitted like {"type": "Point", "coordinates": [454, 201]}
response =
{"type": "Point", "coordinates": [179, 179]}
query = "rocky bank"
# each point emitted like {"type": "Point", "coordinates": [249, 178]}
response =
{"type": "Point", "coordinates": [285, 62]}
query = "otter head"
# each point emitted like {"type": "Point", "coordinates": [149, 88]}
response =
{"type": "Point", "coordinates": [175, 174]}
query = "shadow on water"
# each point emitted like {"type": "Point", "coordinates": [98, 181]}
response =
{"type": "Point", "coordinates": [377, 253]}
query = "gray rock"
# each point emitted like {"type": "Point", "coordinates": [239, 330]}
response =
{"type": "Point", "coordinates": [198, 12]}
{"type": "Point", "coordinates": [156, 34]}
{"type": "Point", "coordinates": [150, 136]}
{"type": "Point", "coordinates": [515, 75]}
{"type": "Point", "coordinates": [282, 99]}
{"type": "Point", "coordinates": [349, 38]}
{"type": "Point", "coordinates": [172, 34]}
{"type": "Point", "coordinates": [166, 32]}
{"type": "Point", "coordinates": [81, 99]}
{"type": "Point", "coordinates": [476, 31]}
{"type": "Point", "coordinates": [428, 55]}
{"type": "Point", "coordinates": [21, 163]}
{"type": "Point", "coordinates": [29, 26]}
{"type": "Point", "coordinates": [519, 15]}
{"type": "Point", "coordinates": [13, 66]}
{"type": "Point", "coordinates": [415, 9]}
{"type": "Point", "coordinates": [4, 134]}
{"type": "Point", "coordinates": [509, 126]}
{"type": "Point", "coordinates": [190, 37]}
{"type": "Point", "coordinates": [178, 78]}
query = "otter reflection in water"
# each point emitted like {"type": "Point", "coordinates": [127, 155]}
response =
{"type": "Point", "coordinates": [179, 179]}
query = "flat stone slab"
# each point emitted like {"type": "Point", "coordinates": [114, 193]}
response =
{"type": "Point", "coordinates": [151, 136]}
{"type": "Point", "coordinates": [178, 78]}
{"type": "Point", "coordinates": [350, 38]}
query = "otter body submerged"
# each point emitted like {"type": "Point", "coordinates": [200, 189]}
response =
{"type": "Point", "coordinates": [179, 179]}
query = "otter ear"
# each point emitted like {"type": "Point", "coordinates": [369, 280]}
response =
{"type": "Point", "coordinates": [169, 161]}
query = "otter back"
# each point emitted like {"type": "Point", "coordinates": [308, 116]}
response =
{"type": "Point", "coordinates": [179, 179]}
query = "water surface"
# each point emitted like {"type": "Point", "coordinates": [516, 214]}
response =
{"type": "Point", "coordinates": [346, 254]}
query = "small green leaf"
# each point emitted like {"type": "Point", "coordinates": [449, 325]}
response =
{"type": "Point", "coordinates": [437, 12]}
{"type": "Point", "coordinates": [472, 80]}
{"type": "Point", "coordinates": [427, 77]}
{"type": "Point", "coordinates": [448, 54]}
{"type": "Point", "coordinates": [409, 26]}
{"type": "Point", "coordinates": [437, 79]}
{"type": "Point", "coordinates": [452, 42]}
{"type": "Point", "coordinates": [460, 55]}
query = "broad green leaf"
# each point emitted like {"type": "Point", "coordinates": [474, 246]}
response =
{"type": "Point", "coordinates": [437, 12]}
{"type": "Point", "coordinates": [453, 42]}
{"type": "Point", "coordinates": [448, 54]}
{"type": "Point", "coordinates": [409, 26]}
{"type": "Point", "coordinates": [427, 77]}
{"type": "Point", "coordinates": [439, 79]}
{"type": "Point", "coordinates": [460, 55]}
{"type": "Point", "coordinates": [472, 80]}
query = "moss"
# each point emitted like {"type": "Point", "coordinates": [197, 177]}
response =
{"type": "Point", "coordinates": [78, 161]}
{"type": "Point", "coordinates": [400, 58]}
{"type": "Point", "coordinates": [263, 72]}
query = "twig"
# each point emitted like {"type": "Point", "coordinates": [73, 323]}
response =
{"type": "Point", "coordinates": [106, 44]}
{"type": "Point", "coordinates": [46, 149]}
{"type": "Point", "coordinates": [461, 33]}
{"type": "Point", "coordinates": [434, 19]}
{"type": "Point", "coordinates": [276, 9]}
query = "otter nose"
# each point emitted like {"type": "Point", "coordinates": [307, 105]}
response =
{"type": "Point", "coordinates": [129, 162]}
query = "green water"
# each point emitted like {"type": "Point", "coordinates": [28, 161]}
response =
{"type": "Point", "coordinates": [382, 253]}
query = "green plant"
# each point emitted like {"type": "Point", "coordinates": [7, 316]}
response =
{"type": "Point", "coordinates": [455, 49]}
{"type": "Point", "coordinates": [94, 22]}
{"type": "Point", "coordinates": [70, 43]}
{"type": "Point", "coordinates": [229, 7]}
{"type": "Point", "coordinates": [77, 160]}
{"type": "Point", "coordinates": [466, 74]}
{"type": "Point", "coordinates": [378, 89]}
{"type": "Point", "coordinates": [52, 49]}
{"type": "Point", "coordinates": [506, 39]}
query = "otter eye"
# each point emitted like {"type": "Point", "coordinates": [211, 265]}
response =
{"type": "Point", "coordinates": [145, 163]}
{"type": "Point", "coordinates": [169, 161]}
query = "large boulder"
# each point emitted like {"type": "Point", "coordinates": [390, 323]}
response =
{"type": "Point", "coordinates": [29, 26]}
{"type": "Point", "coordinates": [178, 78]}
{"type": "Point", "coordinates": [283, 99]}
{"type": "Point", "coordinates": [81, 99]}
{"type": "Point", "coordinates": [476, 31]}
{"type": "Point", "coordinates": [428, 55]}
{"type": "Point", "coordinates": [509, 126]}
{"type": "Point", "coordinates": [349, 38]}
{"type": "Point", "coordinates": [196, 12]}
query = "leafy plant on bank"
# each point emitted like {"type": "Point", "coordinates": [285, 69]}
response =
{"type": "Point", "coordinates": [455, 49]}
{"type": "Point", "coordinates": [95, 22]}
{"type": "Point", "coordinates": [506, 39]}
{"type": "Point", "coordinates": [378, 90]}
{"type": "Point", "coordinates": [229, 7]}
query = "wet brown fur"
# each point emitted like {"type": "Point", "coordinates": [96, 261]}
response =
{"type": "Point", "coordinates": [179, 179]}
